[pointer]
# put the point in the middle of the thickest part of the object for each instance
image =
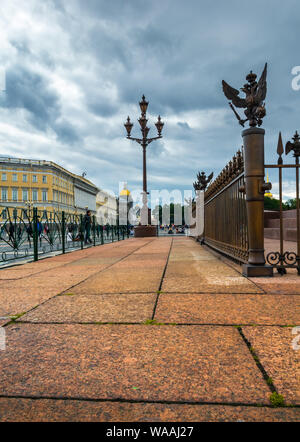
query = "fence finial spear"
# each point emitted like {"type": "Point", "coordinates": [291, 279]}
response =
{"type": "Point", "coordinates": [280, 149]}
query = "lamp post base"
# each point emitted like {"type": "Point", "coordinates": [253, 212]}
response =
{"type": "Point", "coordinates": [145, 231]}
{"type": "Point", "coordinates": [253, 271]}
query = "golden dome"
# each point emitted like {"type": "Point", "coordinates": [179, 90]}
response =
{"type": "Point", "coordinates": [269, 194]}
{"type": "Point", "coordinates": [125, 192]}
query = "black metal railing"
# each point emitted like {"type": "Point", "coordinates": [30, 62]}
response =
{"type": "Point", "coordinates": [225, 216]}
{"type": "Point", "coordinates": [26, 233]}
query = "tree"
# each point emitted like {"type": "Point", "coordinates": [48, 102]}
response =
{"type": "Point", "coordinates": [274, 204]}
{"type": "Point", "coordinates": [290, 204]}
{"type": "Point", "coordinates": [168, 208]}
{"type": "Point", "coordinates": [271, 203]}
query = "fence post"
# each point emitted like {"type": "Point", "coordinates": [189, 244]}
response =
{"type": "Point", "coordinates": [255, 187]}
{"type": "Point", "coordinates": [94, 230]}
{"type": "Point", "coordinates": [81, 231]}
{"type": "Point", "coordinates": [35, 235]}
{"type": "Point", "coordinates": [102, 236]}
{"type": "Point", "coordinates": [63, 232]}
{"type": "Point", "coordinates": [112, 233]}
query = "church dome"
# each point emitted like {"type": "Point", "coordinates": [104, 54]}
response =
{"type": "Point", "coordinates": [125, 192]}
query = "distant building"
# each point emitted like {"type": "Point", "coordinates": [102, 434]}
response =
{"type": "Point", "coordinates": [125, 204]}
{"type": "Point", "coordinates": [85, 194]}
{"type": "Point", "coordinates": [107, 208]}
{"type": "Point", "coordinates": [26, 183]}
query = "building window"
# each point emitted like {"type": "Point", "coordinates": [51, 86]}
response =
{"type": "Point", "coordinates": [34, 178]}
{"type": "Point", "coordinates": [4, 177]}
{"type": "Point", "coordinates": [15, 194]}
{"type": "Point", "coordinates": [25, 195]}
{"type": "Point", "coordinates": [44, 195]}
{"type": "Point", "coordinates": [24, 178]}
{"type": "Point", "coordinates": [4, 195]}
{"type": "Point", "coordinates": [14, 177]}
{"type": "Point", "coordinates": [34, 195]}
{"type": "Point", "coordinates": [44, 179]}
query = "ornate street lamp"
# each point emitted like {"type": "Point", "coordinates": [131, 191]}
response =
{"type": "Point", "coordinates": [144, 142]}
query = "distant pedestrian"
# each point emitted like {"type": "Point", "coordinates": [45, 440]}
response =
{"type": "Point", "coordinates": [87, 223]}
{"type": "Point", "coordinates": [46, 229]}
{"type": "Point", "coordinates": [11, 231]}
{"type": "Point", "coordinates": [39, 229]}
{"type": "Point", "coordinates": [29, 233]}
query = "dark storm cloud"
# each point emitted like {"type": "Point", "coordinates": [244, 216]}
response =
{"type": "Point", "coordinates": [28, 90]}
{"type": "Point", "coordinates": [65, 132]}
{"type": "Point", "coordinates": [101, 107]}
{"type": "Point", "coordinates": [111, 52]}
{"type": "Point", "coordinates": [108, 48]}
{"type": "Point", "coordinates": [117, 10]}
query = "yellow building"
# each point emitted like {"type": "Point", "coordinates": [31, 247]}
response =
{"type": "Point", "coordinates": [26, 183]}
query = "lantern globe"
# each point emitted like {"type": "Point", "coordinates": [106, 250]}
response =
{"type": "Point", "coordinates": [144, 105]}
{"type": "Point", "coordinates": [128, 126]}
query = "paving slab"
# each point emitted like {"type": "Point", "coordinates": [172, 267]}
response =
{"type": "Point", "coordinates": [287, 284]}
{"type": "Point", "coordinates": [22, 271]}
{"type": "Point", "coordinates": [4, 321]}
{"type": "Point", "coordinates": [31, 268]}
{"type": "Point", "coordinates": [129, 280]}
{"type": "Point", "coordinates": [228, 309]}
{"type": "Point", "coordinates": [136, 273]}
{"type": "Point", "coordinates": [191, 268]}
{"type": "Point", "coordinates": [91, 308]}
{"type": "Point", "coordinates": [273, 346]}
{"type": "Point", "coordinates": [18, 296]}
{"type": "Point", "coordinates": [131, 362]}
{"type": "Point", "coordinates": [201, 283]}
{"type": "Point", "coordinates": [50, 410]}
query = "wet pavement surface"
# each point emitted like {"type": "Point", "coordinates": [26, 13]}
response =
{"type": "Point", "coordinates": [147, 329]}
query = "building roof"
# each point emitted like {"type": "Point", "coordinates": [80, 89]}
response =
{"type": "Point", "coordinates": [31, 162]}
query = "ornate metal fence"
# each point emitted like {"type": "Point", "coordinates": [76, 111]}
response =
{"type": "Point", "coordinates": [225, 225]}
{"type": "Point", "coordinates": [289, 228]}
{"type": "Point", "coordinates": [32, 233]}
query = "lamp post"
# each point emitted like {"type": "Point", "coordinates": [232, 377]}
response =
{"type": "Point", "coordinates": [145, 229]}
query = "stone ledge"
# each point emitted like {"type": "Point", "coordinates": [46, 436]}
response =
{"type": "Point", "coordinates": [145, 231]}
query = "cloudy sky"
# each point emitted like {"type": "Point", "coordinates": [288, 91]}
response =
{"type": "Point", "coordinates": [76, 68]}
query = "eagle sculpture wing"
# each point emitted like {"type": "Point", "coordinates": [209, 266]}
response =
{"type": "Point", "coordinates": [210, 177]}
{"type": "Point", "coordinates": [232, 95]}
{"type": "Point", "coordinates": [261, 90]}
{"type": "Point", "coordinates": [288, 147]}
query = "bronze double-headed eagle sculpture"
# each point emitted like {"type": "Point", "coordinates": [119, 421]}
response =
{"type": "Point", "coordinates": [202, 181]}
{"type": "Point", "coordinates": [254, 100]}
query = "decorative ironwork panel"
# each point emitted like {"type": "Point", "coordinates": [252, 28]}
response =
{"type": "Point", "coordinates": [283, 259]}
{"type": "Point", "coordinates": [33, 232]}
{"type": "Point", "coordinates": [225, 227]}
